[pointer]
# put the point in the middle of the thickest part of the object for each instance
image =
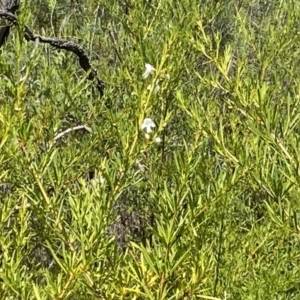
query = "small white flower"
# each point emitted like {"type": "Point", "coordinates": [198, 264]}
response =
{"type": "Point", "coordinates": [98, 180]}
{"type": "Point", "coordinates": [141, 166]}
{"type": "Point", "coordinates": [156, 88]}
{"type": "Point", "coordinates": [158, 140]}
{"type": "Point", "coordinates": [149, 70]}
{"type": "Point", "coordinates": [102, 180]}
{"type": "Point", "coordinates": [148, 124]}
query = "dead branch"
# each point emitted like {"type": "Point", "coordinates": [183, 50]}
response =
{"type": "Point", "coordinates": [60, 135]}
{"type": "Point", "coordinates": [84, 61]}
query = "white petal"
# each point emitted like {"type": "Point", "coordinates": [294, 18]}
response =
{"type": "Point", "coordinates": [145, 75]}
{"type": "Point", "coordinates": [149, 70]}
{"type": "Point", "coordinates": [148, 129]}
{"type": "Point", "coordinates": [148, 124]}
{"type": "Point", "coordinates": [158, 140]}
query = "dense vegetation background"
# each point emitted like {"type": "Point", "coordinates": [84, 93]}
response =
{"type": "Point", "coordinates": [205, 206]}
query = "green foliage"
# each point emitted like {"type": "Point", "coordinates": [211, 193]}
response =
{"type": "Point", "coordinates": [205, 206]}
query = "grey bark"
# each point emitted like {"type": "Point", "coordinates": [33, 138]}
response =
{"type": "Point", "coordinates": [10, 6]}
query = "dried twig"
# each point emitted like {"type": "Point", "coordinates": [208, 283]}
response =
{"type": "Point", "coordinates": [60, 135]}
{"type": "Point", "coordinates": [84, 61]}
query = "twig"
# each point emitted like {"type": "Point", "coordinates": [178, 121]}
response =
{"type": "Point", "coordinates": [60, 135]}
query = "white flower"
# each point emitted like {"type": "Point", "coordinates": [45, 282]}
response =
{"type": "Point", "coordinates": [158, 140]}
{"type": "Point", "coordinates": [148, 124]}
{"type": "Point", "coordinates": [98, 180]}
{"type": "Point", "coordinates": [156, 88]}
{"type": "Point", "coordinates": [149, 70]}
